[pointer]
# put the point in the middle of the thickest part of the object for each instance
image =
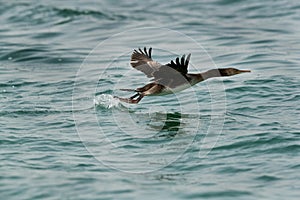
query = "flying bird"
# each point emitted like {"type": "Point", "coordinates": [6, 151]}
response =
{"type": "Point", "coordinates": [169, 78]}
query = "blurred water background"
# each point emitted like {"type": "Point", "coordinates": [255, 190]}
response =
{"type": "Point", "coordinates": [63, 136]}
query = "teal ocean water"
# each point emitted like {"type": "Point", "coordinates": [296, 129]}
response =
{"type": "Point", "coordinates": [64, 136]}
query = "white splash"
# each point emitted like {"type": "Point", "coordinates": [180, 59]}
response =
{"type": "Point", "coordinates": [107, 101]}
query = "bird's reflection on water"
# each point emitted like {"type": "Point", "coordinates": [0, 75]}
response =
{"type": "Point", "coordinates": [142, 123]}
{"type": "Point", "coordinates": [168, 124]}
{"type": "Point", "coordinates": [171, 124]}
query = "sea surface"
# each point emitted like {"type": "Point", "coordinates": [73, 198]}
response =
{"type": "Point", "coordinates": [63, 135]}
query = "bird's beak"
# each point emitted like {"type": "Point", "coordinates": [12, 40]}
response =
{"type": "Point", "coordinates": [244, 71]}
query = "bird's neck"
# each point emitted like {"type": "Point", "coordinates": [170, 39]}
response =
{"type": "Point", "coordinates": [196, 78]}
{"type": "Point", "coordinates": [211, 74]}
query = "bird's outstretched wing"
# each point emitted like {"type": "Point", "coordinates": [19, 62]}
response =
{"type": "Point", "coordinates": [180, 65]}
{"type": "Point", "coordinates": [171, 74]}
{"type": "Point", "coordinates": [142, 61]}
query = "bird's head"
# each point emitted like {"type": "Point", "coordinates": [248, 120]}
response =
{"type": "Point", "coordinates": [231, 71]}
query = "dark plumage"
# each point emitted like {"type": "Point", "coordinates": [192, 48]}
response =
{"type": "Point", "coordinates": [168, 78]}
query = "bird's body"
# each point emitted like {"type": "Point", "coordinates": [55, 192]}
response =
{"type": "Point", "coordinates": [170, 78]}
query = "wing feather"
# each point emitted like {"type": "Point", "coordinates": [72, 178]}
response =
{"type": "Point", "coordinates": [142, 61]}
{"type": "Point", "coordinates": [180, 65]}
{"type": "Point", "coordinates": [171, 74]}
